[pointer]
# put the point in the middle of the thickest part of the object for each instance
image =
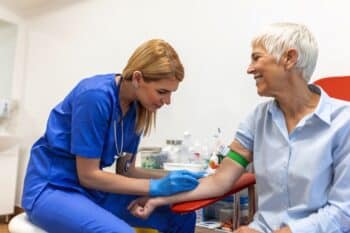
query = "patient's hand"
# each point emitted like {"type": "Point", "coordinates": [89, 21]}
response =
{"type": "Point", "coordinates": [246, 229]}
{"type": "Point", "coordinates": [283, 230]}
{"type": "Point", "coordinates": [144, 206]}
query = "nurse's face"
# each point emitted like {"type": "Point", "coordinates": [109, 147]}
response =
{"type": "Point", "coordinates": [269, 75]}
{"type": "Point", "coordinates": [153, 95]}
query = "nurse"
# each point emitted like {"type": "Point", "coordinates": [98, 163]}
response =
{"type": "Point", "coordinates": [101, 120]}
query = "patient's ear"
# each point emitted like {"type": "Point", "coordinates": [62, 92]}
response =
{"type": "Point", "coordinates": [290, 58]}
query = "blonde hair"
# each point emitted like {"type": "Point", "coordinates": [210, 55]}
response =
{"type": "Point", "coordinates": [155, 59]}
{"type": "Point", "coordinates": [277, 38]}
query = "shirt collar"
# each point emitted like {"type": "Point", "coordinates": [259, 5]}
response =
{"type": "Point", "coordinates": [322, 111]}
{"type": "Point", "coordinates": [324, 107]}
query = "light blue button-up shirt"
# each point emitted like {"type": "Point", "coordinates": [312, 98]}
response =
{"type": "Point", "coordinates": [303, 178]}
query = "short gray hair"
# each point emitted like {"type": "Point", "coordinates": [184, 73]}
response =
{"type": "Point", "coordinates": [279, 37]}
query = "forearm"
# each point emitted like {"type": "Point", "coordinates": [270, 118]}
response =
{"type": "Point", "coordinates": [211, 186]}
{"type": "Point", "coordinates": [207, 188]}
{"type": "Point", "coordinates": [329, 218]}
{"type": "Point", "coordinates": [110, 182]}
{"type": "Point", "coordinates": [137, 172]}
{"type": "Point", "coordinates": [334, 216]}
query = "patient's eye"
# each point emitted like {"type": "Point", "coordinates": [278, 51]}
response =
{"type": "Point", "coordinates": [255, 57]}
{"type": "Point", "coordinates": [162, 91]}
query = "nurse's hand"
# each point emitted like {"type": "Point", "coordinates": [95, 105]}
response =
{"type": "Point", "coordinates": [174, 182]}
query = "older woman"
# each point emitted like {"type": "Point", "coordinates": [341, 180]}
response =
{"type": "Point", "coordinates": [298, 142]}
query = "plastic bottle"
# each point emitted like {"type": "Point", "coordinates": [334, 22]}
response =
{"type": "Point", "coordinates": [244, 207]}
{"type": "Point", "coordinates": [218, 150]}
{"type": "Point", "coordinates": [213, 163]}
{"type": "Point", "coordinates": [185, 148]}
{"type": "Point", "coordinates": [172, 149]}
{"type": "Point", "coordinates": [196, 153]}
{"type": "Point", "coordinates": [205, 155]}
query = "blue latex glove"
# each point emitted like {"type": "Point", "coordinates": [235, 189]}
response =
{"type": "Point", "coordinates": [174, 182]}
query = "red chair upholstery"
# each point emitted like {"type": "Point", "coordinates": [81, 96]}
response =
{"type": "Point", "coordinates": [244, 181]}
{"type": "Point", "coordinates": [247, 180]}
{"type": "Point", "coordinates": [337, 87]}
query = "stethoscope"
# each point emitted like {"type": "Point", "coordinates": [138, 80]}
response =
{"type": "Point", "coordinates": [120, 153]}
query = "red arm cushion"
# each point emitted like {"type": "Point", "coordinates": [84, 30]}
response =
{"type": "Point", "coordinates": [337, 87]}
{"type": "Point", "coordinates": [246, 180]}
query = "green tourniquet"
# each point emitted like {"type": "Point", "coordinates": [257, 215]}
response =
{"type": "Point", "coordinates": [238, 158]}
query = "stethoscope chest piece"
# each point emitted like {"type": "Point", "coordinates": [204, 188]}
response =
{"type": "Point", "coordinates": [121, 155]}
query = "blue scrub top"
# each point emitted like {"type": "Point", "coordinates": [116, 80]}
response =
{"type": "Point", "coordinates": [82, 124]}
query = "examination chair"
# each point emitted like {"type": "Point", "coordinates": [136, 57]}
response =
{"type": "Point", "coordinates": [337, 87]}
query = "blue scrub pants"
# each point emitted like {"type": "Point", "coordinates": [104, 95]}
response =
{"type": "Point", "coordinates": [65, 211]}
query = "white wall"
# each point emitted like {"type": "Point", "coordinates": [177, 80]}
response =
{"type": "Point", "coordinates": [8, 15]}
{"type": "Point", "coordinates": [18, 31]}
{"type": "Point", "coordinates": [16, 86]}
{"type": "Point", "coordinates": [8, 35]}
{"type": "Point", "coordinates": [212, 38]}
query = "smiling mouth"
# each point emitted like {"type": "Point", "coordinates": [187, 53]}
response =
{"type": "Point", "coordinates": [258, 78]}
{"type": "Point", "coordinates": [158, 106]}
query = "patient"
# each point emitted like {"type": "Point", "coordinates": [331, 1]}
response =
{"type": "Point", "coordinates": [298, 142]}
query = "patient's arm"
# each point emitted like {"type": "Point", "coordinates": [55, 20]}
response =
{"type": "Point", "coordinates": [215, 185]}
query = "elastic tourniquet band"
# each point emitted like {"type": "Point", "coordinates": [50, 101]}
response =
{"type": "Point", "coordinates": [238, 158]}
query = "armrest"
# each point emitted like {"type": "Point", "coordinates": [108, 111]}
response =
{"type": "Point", "coordinates": [246, 180]}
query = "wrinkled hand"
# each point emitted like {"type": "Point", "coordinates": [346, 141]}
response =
{"type": "Point", "coordinates": [246, 229]}
{"type": "Point", "coordinates": [142, 207]}
{"type": "Point", "coordinates": [174, 182]}
{"type": "Point", "coordinates": [283, 230]}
